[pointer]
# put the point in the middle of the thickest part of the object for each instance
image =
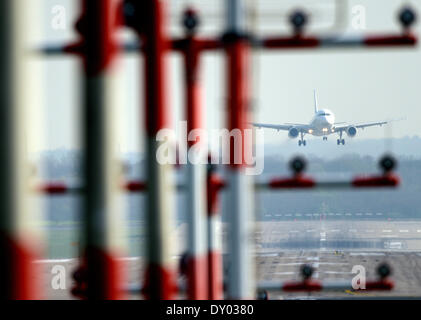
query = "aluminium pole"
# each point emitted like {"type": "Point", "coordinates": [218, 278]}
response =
{"type": "Point", "coordinates": [160, 270]}
{"type": "Point", "coordinates": [241, 282]}
{"type": "Point", "coordinates": [102, 218]}
{"type": "Point", "coordinates": [196, 175]}
{"type": "Point", "coordinates": [18, 240]}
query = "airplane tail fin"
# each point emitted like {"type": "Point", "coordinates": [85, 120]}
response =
{"type": "Point", "coordinates": [315, 102]}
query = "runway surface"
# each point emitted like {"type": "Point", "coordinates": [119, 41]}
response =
{"type": "Point", "coordinates": [332, 247]}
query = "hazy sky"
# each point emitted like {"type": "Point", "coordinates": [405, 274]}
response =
{"type": "Point", "coordinates": [357, 85]}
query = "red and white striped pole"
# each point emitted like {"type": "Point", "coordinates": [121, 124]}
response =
{"type": "Point", "coordinates": [215, 267]}
{"type": "Point", "coordinates": [160, 270]}
{"type": "Point", "coordinates": [18, 240]}
{"type": "Point", "coordinates": [102, 270]}
{"type": "Point", "coordinates": [241, 282]}
{"type": "Point", "coordinates": [196, 172]}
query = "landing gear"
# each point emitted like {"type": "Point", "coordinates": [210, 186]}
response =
{"type": "Point", "coordinates": [302, 142]}
{"type": "Point", "coordinates": [340, 140]}
{"type": "Point", "coordinates": [324, 138]}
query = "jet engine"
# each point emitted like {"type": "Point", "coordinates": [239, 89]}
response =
{"type": "Point", "coordinates": [293, 133]}
{"type": "Point", "coordinates": [351, 132]}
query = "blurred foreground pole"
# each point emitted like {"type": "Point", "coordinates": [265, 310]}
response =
{"type": "Point", "coordinates": [102, 217]}
{"type": "Point", "coordinates": [196, 175]}
{"type": "Point", "coordinates": [215, 267]}
{"type": "Point", "coordinates": [18, 243]}
{"type": "Point", "coordinates": [241, 282]}
{"type": "Point", "coordinates": [160, 282]}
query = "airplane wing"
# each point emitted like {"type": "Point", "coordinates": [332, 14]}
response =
{"type": "Point", "coordinates": [285, 127]}
{"type": "Point", "coordinates": [365, 125]}
{"type": "Point", "coordinates": [370, 124]}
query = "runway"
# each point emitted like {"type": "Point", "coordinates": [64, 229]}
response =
{"type": "Point", "coordinates": [332, 247]}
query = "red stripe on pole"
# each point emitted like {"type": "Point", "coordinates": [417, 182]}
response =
{"type": "Point", "coordinates": [102, 267]}
{"type": "Point", "coordinates": [54, 188]}
{"type": "Point", "coordinates": [99, 27]}
{"type": "Point", "coordinates": [390, 40]}
{"type": "Point", "coordinates": [385, 285]}
{"type": "Point", "coordinates": [214, 185]}
{"type": "Point", "coordinates": [167, 287]}
{"type": "Point", "coordinates": [135, 186]}
{"type": "Point", "coordinates": [22, 274]}
{"type": "Point", "coordinates": [383, 181]}
{"type": "Point", "coordinates": [215, 280]}
{"type": "Point", "coordinates": [156, 44]}
{"type": "Point", "coordinates": [238, 57]}
{"type": "Point", "coordinates": [290, 43]}
{"type": "Point", "coordinates": [194, 108]}
{"type": "Point", "coordinates": [296, 182]}
{"type": "Point", "coordinates": [215, 272]}
{"type": "Point", "coordinates": [303, 286]}
{"type": "Point", "coordinates": [197, 286]}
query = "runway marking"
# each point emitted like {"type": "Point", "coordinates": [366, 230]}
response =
{"type": "Point", "coordinates": [390, 236]}
{"type": "Point", "coordinates": [310, 230]}
{"type": "Point", "coordinates": [368, 214]}
{"type": "Point", "coordinates": [337, 272]}
{"type": "Point", "coordinates": [313, 258]}
{"type": "Point", "coordinates": [418, 230]}
{"type": "Point", "coordinates": [348, 214]}
{"type": "Point", "coordinates": [403, 230]}
{"type": "Point", "coordinates": [352, 230]}
{"type": "Point", "coordinates": [268, 255]}
{"type": "Point", "coordinates": [294, 231]}
{"type": "Point", "coordinates": [288, 215]}
{"type": "Point", "coordinates": [379, 214]}
{"type": "Point", "coordinates": [358, 214]}
{"type": "Point", "coordinates": [369, 230]}
{"type": "Point", "coordinates": [386, 230]}
{"type": "Point", "coordinates": [284, 273]}
{"type": "Point", "coordinates": [357, 293]}
{"type": "Point", "coordinates": [335, 230]}
{"type": "Point", "coordinates": [366, 254]}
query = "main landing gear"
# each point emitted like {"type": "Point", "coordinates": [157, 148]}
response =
{"type": "Point", "coordinates": [302, 142]}
{"type": "Point", "coordinates": [340, 141]}
{"type": "Point", "coordinates": [324, 138]}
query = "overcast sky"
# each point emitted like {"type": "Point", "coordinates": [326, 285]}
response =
{"type": "Point", "coordinates": [357, 85]}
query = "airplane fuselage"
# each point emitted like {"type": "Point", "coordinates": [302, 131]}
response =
{"type": "Point", "coordinates": [322, 123]}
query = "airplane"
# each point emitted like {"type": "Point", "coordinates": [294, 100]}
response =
{"type": "Point", "coordinates": [322, 125]}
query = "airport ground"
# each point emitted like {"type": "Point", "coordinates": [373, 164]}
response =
{"type": "Point", "coordinates": [331, 246]}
